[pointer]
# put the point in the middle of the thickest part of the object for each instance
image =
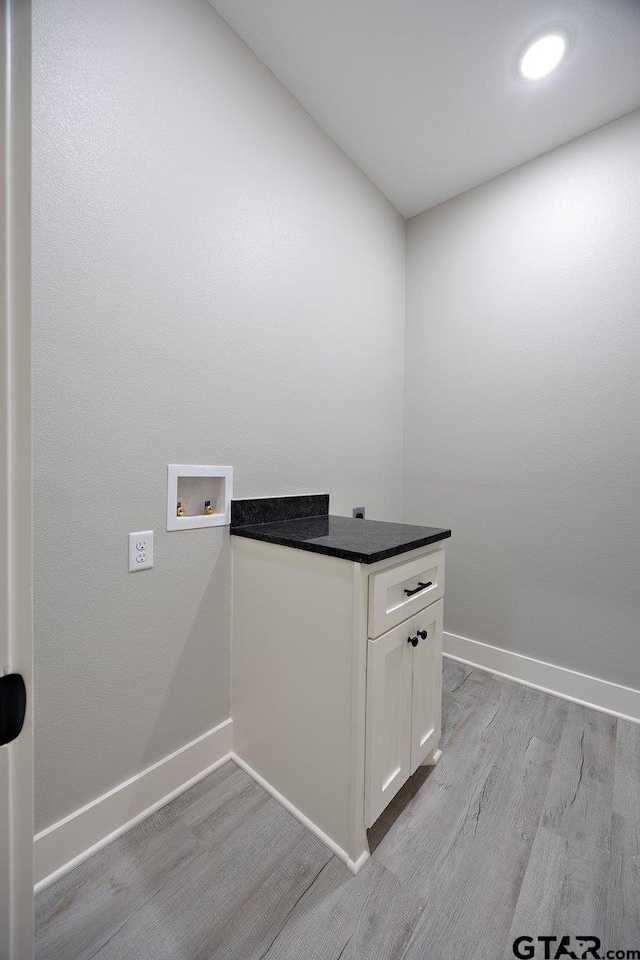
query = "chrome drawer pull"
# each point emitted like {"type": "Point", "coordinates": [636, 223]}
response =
{"type": "Point", "coordinates": [421, 586]}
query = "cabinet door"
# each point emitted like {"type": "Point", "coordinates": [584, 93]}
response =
{"type": "Point", "coordinates": [388, 753]}
{"type": "Point", "coordinates": [426, 700]}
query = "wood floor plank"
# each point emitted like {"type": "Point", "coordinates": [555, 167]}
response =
{"type": "Point", "coordinates": [541, 890]}
{"type": "Point", "coordinates": [385, 922]}
{"type": "Point", "coordinates": [579, 808]}
{"type": "Point", "coordinates": [580, 879]}
{"type": "Point", "coordinates": [622, 908]}
{"type": "Point", "coordinates": [227, 816]}
{"type": "Point", "coordinates": [197, 809]}
{"type": "Point", "coordinates": [463, 691]}
{"type": "Point", "coordinates": [484, 754]}
{"type": "Point", "coordinates": [368, 916]}
{"type": "Point", "coordinates": [81, 912]}
{"type": "Point", "coordinates": [257, 920]}
{"type": "Point", "coordinates": [182, 918]}
{"type": "Point", "coordinates": [467, 850]}
{"type": "Point", "coordinates": [206, 794]}
{"type": "Point", "coordinates": [454, 674]}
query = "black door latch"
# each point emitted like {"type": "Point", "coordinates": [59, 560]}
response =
{"type": "Point", "coordinates": [13, 707]}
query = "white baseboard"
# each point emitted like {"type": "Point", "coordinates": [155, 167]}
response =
{"type": "Point", "coordinates": [353, 865]}
{"type": "Point", "coordinates": [613, 698]}
{"type": "Point", "coordinates": [78, 836]}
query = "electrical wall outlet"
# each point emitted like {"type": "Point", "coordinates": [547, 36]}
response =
{"type": "Point", "coordinates": [140, 550]}
{"type": "Point", "coordinates": [358, 513]}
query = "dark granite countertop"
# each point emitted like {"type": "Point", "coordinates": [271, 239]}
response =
{"type": "Point", "coordinates": [364, 541]}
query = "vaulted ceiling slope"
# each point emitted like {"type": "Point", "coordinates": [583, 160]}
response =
{"type": "Point", "coordinates": [424, 95]}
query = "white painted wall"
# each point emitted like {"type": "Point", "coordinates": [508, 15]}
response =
{"type": "Point", "coordinates": [214, 282]}
{"type": "Point", "coordinates": [521, 426]}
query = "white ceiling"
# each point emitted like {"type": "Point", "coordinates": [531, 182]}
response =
{"type": "Point", "coordinates": [423, 94]}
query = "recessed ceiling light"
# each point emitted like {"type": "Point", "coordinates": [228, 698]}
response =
{"type": "Point", "coordinates": [543, 55]}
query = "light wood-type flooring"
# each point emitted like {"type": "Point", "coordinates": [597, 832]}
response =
{"type": "Point", "coordinates": [528, 826]}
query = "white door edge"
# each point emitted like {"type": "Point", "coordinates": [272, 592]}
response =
{"type": "Point", "coordinates": [16, 618]}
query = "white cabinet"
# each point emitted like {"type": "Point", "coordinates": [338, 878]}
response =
{"type": "Point", "coordinates": [404, 695]}
{"type": "Point", "coordinates": [333, 708]}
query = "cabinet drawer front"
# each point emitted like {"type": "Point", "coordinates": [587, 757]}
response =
{"type": "Point", "coordinates": [401, 591]}
{"type": "Point", "coordinates": [388, 722]}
